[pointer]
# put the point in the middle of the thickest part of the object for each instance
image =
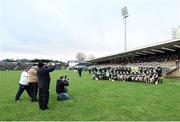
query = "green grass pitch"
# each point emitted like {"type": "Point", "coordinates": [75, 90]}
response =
{"type": "Point", "coordinates": [93, 100]}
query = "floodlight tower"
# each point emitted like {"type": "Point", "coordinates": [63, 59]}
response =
{"type": "Point", "coordinates": [125, 15]}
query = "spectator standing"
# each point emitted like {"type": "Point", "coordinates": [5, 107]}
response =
{"type": "Point", "coordinates": [177, 63]}
{"type": "Point", "coordinates": [80, 72]}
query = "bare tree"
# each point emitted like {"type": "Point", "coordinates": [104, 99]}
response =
{"type": "Point", "coordinates": [91, 57]}
{"type": "Point", "coordinates": [80, 56]}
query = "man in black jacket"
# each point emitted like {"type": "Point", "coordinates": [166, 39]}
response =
{"type": "Point", "coordinates": [80, 71]}
{"type": "Point", "coordinates": [61, 90]}
{"type": "Point", "coordinates": [43, 84]}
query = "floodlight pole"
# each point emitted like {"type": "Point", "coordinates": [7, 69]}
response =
{"type": "Point", "coordinates": [125, 41]}
{"type": "Point", "coordinates": [125, 15]}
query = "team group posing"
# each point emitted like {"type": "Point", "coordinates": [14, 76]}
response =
{"type": "Point", "coordinates": [37, 79]}
{"type": "Point", "coordinates": [139, 74]}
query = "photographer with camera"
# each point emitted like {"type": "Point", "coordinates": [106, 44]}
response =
{"type": "Point", "coordinates": [43, 83]}
{"type": "Point", "coordinates": [33, 82]}
{"type": "Point", "coordinates": [61, 89]}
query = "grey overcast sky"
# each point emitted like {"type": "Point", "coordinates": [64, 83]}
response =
{"type": "Point", "coordinates": [58, 29]}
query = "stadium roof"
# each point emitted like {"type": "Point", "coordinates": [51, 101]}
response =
{"type": "Point", "coordinates": [154, 49]}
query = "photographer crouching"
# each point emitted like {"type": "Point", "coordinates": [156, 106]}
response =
{"type": "Point", "coordinates": [61, 89]}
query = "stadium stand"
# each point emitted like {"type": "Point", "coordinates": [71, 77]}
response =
{"type": "Point", "coordinates": [165, 55]}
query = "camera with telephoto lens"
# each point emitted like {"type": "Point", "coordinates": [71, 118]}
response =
{"type": "Point", "coordinates": [66, 79]}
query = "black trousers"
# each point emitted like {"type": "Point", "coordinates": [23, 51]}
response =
{"type": "Point", "coordinates": [43, 98]}
{"type": "Point", "coordinates": [33, 91]}
{"type": "Point", "coordinates": [21, 90]}
{"type": "Point", "coordinates": [80, 74]}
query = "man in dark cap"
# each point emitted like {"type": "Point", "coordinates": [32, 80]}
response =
{"type": "Point", "coordinates": [43, 84]}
